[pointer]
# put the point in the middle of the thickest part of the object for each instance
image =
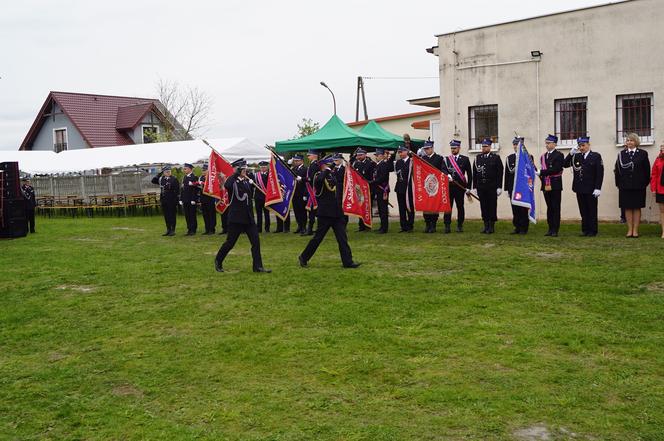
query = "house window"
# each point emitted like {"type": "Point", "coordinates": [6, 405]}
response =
{"type": "Point", "coordinates": [59, 140]}
{"type": "Point", "coordinates": [482, 123]}
{"type": "Point", "coordinates": [635, 114]}
{"type": "Point", "coordinates": [571, 120]}
{"type": "Point", "coordinates": [150, 134]}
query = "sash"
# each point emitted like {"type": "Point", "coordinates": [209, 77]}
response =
{"type": "Point", "coordinates": [312, 203]}
{"type": "Point", "coordinates": [457, 170]}
{"type": "Point", "coordinates": [547, 179]}
{"type": "Point", "coordinates": [260, 183]}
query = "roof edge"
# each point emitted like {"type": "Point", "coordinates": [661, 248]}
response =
{"type": "Point", "coordinates": [567, 11]}
{"type": "Point", "coordinates": [393, 117]}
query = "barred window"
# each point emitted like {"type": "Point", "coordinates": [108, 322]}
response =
{"type": "Point", "coordinates": [571, 119]}
{"type": "Point", "coordinates": [635, 114]}
{"type": "Point", "coordinates": [482, 123]}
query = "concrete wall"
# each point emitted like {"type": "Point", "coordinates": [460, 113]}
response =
{"type": "Point", "coordinates": [44, 139]}
{"type": "Point", "coordinates": [597, 53]}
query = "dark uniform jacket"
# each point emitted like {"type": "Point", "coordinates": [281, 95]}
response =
{"type": "Point", "coordinates": [487, 172]}
{"type": "Point", "coordinates": [403, 171]}
{"type": "Point", "coordinates": [328, 194]}
{"type": "Point", "coordinates": [510, 166]}
{"type": "Point", "coordinates": [29, 195]}
{"type": "Point", "coordinates": [554, 166]}
{"type": "Point", "coordinates": [170, 187]}
{"type": "Point", "coordinates": [189, 192]}
{"type": "Point", "coordinates": [300, 187]}
{"type": "Point", "coordinates": [365, 168]}
{"type": "Point", "coordinates": [256, 177]}
{"type": "Point", "coordinates": [632, 173]}
{"type": "Point", "coordinates": [339, 173]}
{"type": "Point", "coordinates": [464, 165]}
{"type": "Point", "coordinates": [240, 210]}
{"type": "Point", "coordinates": [205, 199]}
{"type": "Point", "coordinates": [588, 172]}
{"type": "Point", "coordinates": [381, 177]}
{"type": "Point", "coordinates": [436, 160]}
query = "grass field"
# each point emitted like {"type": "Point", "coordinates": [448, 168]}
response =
{"type": "Point", "coordinates": [110, 331]}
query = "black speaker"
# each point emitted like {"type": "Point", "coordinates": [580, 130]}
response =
{"type": "Point", "coordinates": [10, 179]}
{"type": "Point", "coordinates": [12, 204]}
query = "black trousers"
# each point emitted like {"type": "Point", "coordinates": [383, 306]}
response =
{"type": "Point", "coordinates": [300, 212]}
{"type": "Point", "coordinates": [588, 209]}
{"type": "Point", "coordinates": [30, 219]}
{"type": "Point", "coordinates": [488, 204]}
{"type": "Point", "coordinates": [261, 212]}
{"type": "Point", "coordinates": [190, 216]}
{"type": "Point", "coordinates": [169, 209]}
{"type": "Point", "coordinates": [553, 199]}
{"type": "Point", "coordinates": [431, 219]}
{"type": "Point", "coordinates": [234, 231]}
{"type": "Point", "coordinates": [406, 212]}
{"type": "Point", "coordinates": [312, 219]}
{"type": "Point", "coordinates": [209, 216]}
{"type": "Point", "coordinates": [224, 221]}
{"type": "Point", "coordinates": [520, 219]}
{"type": "Point", "coordinates": [383, 211]}
{"type": "Point", "coordinates": [338, 225]}
{"type": "Point", "coordinates": [283, 225]}
{"type": "Point", "coordinates": [456, 197]}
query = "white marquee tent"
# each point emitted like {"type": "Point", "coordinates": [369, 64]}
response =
{"type": "Point", "coordinates": [175, 153]}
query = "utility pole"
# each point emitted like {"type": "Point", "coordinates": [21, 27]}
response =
{"type": "Point", "coordinates": [360, 91]}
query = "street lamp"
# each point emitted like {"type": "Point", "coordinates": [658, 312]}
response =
{"type": "Point", "coordinates": [334, 101]}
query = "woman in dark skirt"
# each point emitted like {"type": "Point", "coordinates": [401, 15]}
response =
{"type": "Point", "coordinates": [632, 173]}
{"type": "Point", "coordinates": [657, 184]}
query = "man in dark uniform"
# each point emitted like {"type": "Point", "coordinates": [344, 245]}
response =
{"type": "Point", "coordinates": [299, 194]}
{"type": "Point", "coordinates": [224, 222]}
{"type": "Point", "coordinates": [381, 183]}
{"type": "Point", "coordinates": [189, 198]}
{"type": "Point", "coordinates": [30, 203]}
{"type": "Point", "coordinates": [588, 171]}
{"type": "Point", "coordinates": [240, 217]}
{"type": "Point", "coordinates": [312, 169]}
{"type": "Point", "coordinates": [551, 174]}
{"type": "Point", "coordinates": [329, 194]}
{"type": "Point", "coordinates": [460, 171]}
{"type": "Point", "coordinates": [434, 159]}
{"type": "Point", "coordinates": [365, 167]}
{"type": "Point", "coordinates": [488, 180]}
{"type": "Point", "coordinates": [520, 218]}
{"type": "Point", "coordinates": [207, 205]}
{"type": "Point", "coordinates": [340, 174]}
{"type": "Point", "coordinates": [170, 189]}
{"type": "Point", "coordinates": [260, 178]}
{"type": "Point", "coordinates": [404, 190]}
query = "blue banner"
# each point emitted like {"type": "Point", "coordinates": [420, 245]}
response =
{"type": "Point", "coordinates": [287, 183]}
{"type": "Point", "coordinates": [523, 194]}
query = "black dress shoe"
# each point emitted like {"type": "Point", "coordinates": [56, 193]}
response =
{"type": "Point", "coordinates": [303, 264]}
{"type": "Point", "coordinates": [166, 233]}
{"type": "Point", "coordinates": [403, 231]}
{"type": "Point", "coordinates": [516, 232]}
{"type": "Point", "coordinates": [553, 234]}
{"type": "Point", "coordinates": [381, 232]}
{"type": "Point", "coordinates": [262, 270]}
{"type": "Point", "coordinates": [548, 233]}
{"type": "Point", "coordinates": [217, 266]}
{"type": "Point", "coordinates": [352, 265]}
{"type": "Point", "coordinates": [171, 233]}
{"type": "Point", "coordinates": [459, 229]}
{"type": "Point", "coordinates": [448, 230]}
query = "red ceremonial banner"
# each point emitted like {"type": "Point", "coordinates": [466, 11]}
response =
{"type": "Point", "coordinates": [430, 188]}
{"type": "Point", "coordinates": [218, 170]}
{"type": "Point", "coordinates": [273, 193]}
{"type": "Point", "coordinates": [357, 196]}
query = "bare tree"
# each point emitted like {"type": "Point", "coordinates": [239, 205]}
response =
{"type": "Point", "coordinates": [186, 109]}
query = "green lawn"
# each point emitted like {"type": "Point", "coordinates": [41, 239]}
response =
{"type": "Point", "coordinates": [110, 331]}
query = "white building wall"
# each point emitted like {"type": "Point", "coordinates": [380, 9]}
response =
{"type": "Point", "coordinates": [597, 53]}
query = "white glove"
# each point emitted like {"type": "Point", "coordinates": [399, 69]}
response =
{"type": "Point", "coordinates": [180, 202]}
{"type": "Point", "coordinates": [468, 192]}
{"type": "Point", "coordinates": [251, 182]}
{"type": "Point", "coordinates": [597, 193]}
{"type": "Point", "coordinates": [574, 151]}
{"type": "Point", "coordinates": [298, 178]}
{"type": "Point", "coordinates": [193, 202]}
{"type": "Point", "coordinates": [449, 176]}
{"type": "Point", "coordinates": [499, 191]}
{"type": "Point", "coordinates": [191, 183]}
{"type": "Point", "coordinates": [537, 172]}
{"type": "Point", "coordinates": [304, 198]}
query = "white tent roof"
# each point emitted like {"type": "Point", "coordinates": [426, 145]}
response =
{"type": "Point", "coordinates": [177, 152]}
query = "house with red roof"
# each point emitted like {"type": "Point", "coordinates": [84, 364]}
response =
{"type": "Point", "coordinates": [70, 121]}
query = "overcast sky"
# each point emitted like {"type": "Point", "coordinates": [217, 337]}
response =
{"type": "Point", "coordinates": [260, 61]}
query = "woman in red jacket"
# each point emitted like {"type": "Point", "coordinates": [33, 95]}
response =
{"type": "Point", "coordinates": [657, 184]}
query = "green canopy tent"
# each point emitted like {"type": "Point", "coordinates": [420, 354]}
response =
{"type": "Point", "coordinates": [374, 129]}
{"type": "Point", "coordinates": [335, 135]}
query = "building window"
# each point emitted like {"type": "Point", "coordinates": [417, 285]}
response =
{"type": "Point", "coordinates": [59, 140]}
{"type": "Point", "coordinates": [635, 114]}
{"type": "Point", "coordinates": [571, 120]}
{"type": "Point", "coordinates": [150, 134]}
{"type": "Point", "coordinates": [482, 123]}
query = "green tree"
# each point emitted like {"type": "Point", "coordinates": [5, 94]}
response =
{"type": "Point", "coordinates": [307, 127]}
